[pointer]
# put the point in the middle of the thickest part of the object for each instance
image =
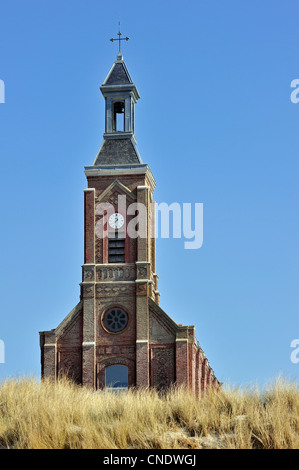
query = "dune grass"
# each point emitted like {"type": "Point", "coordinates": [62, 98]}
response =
{"type": "Point", "coordinates": [62, 415]}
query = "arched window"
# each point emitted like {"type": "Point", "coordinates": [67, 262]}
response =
{"type": "Point", "coordinates": [116, 377]}
{"type": "Point", "coordinates": [119, 117]}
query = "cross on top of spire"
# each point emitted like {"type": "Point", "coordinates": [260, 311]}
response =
{"type": "Point", "coordinates": [119, 39]}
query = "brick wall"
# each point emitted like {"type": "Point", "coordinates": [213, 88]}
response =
{"type": "Point", "coordinates": [156, 351]}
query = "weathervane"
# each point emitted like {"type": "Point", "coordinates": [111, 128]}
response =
{"type": "Point", "coordinates": [119, 38]}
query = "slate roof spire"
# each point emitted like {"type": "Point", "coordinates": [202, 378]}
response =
{"type": "Point", "coordinates": [120, 94]}
{"type": "Point", "coordinates": [118, 73]}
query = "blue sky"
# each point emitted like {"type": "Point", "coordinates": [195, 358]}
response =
{"type": "Point", "coordinates": [216, 125]}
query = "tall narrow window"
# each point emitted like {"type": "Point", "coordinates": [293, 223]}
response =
{"type": "Point", "coordinates": [116, 249]}
{"type": "Point", "coordinates": [119, 117]}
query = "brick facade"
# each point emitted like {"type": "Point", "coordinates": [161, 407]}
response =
{"type": "Point", "coordinates": [156, 351]}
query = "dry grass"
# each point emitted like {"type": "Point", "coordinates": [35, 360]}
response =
{"type": "Point", "coordinates": [62, 415]}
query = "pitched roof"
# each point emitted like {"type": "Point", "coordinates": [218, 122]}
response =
{"type": "Point", "coordinates": [117, 152]}
{"type": "Point", "coordinates": [118, 74]}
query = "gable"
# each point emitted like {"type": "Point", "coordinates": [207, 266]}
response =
{"type": "Point", "coordinates": [113, 191]}
{"type": "Point", "coordinates": [162, 328]}
{"type": "Point", "coordinates": [71, 326]}
{"type": "Point", "coordinates": [159, 334]}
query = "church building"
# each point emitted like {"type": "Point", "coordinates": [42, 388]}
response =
{"type": "Point", "coordinates": [118, 336]}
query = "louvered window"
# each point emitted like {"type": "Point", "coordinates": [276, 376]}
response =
{"type": "Point", "coordinates": [116, 249]}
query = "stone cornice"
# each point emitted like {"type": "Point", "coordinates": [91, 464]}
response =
{"type": "Point", "coordinates": [111, 170]}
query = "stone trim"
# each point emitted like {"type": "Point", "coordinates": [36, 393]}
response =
{"type": "Point", "coordinates": [121, 186]}
{"type": "Point", "coordinates": [62, 327]}
{"type": "Point", "coordinates": [118, 170]}
{"type": "Point", "coordinates": [163, 318]}
{"type": "Point", "coordinates": [108, 282]}
{"type": "Point", "coordinates": [107, 264]}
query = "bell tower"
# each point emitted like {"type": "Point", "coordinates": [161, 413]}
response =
{"type": "Point", "coordinates": [118, 335]}
{"type": "Point", "coordinates": [120, 95]}
{"type": "Point", "coordinates": [119, 272]}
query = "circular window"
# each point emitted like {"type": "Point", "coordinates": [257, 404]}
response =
{"type": "Point", "coordinates": [115, 320]}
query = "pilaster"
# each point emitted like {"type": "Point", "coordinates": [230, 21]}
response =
{"type": "Point", "coordinates": [89, 225]}
{"type": "Point", "coordinates": [89, 335]}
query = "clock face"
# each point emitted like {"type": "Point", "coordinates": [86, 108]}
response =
{"type": "Point", "coordinates": [116, 220]}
